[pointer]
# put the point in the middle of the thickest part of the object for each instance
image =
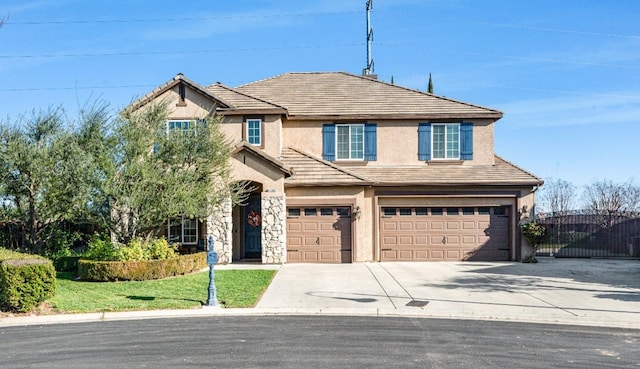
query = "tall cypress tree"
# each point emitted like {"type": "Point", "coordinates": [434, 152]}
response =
{"type": "Point", "coordinates": [430, 88]}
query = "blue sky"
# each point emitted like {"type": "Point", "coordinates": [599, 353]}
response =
{"type": "Point", "coordinates": [565, 73]}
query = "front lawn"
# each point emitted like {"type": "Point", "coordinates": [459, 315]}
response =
{"type": "Point", "coordinates": [235, 289]}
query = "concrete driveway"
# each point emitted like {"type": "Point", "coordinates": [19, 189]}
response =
{"type": "Point", "coordinates": [572, 291]}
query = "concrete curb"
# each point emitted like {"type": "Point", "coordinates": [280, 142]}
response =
{"type": "Point", "coordinates": [416, 313]}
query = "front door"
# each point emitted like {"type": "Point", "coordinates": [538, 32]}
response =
{"type": "Point", "coordinates": [253, 228]}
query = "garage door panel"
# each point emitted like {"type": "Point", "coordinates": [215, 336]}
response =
{"type": "Point", "coordinates": [321, 235]}
{"type": "Point", "coordinates": [470, 225]}
{"type": "Point", "coordinates": [437, 225]}
{"type": "Point", "coordinates": [469, 233]}
{"type": "Point", "coordinates": [294, 226]}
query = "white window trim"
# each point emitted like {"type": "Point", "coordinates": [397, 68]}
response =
{"type": "Point", "coordinates": [192, 123]}
{"type": "Point", "coordinates": [433, 131]}
{"type": "Point", "coordinates": [181, 241]}
{"type": "Point", "coordinates": [363, 143]}
{"type": "Point", "coordinates": [259, 131]}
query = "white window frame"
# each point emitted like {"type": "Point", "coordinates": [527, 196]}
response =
{"type": "Point", "coordinates": [259, 123]}
{"type": "Point", "coordinates": [183, 226]}
{"type": "Point", "coordinates": [446, 142]}
{"type": "Point", "coordinates": [350, 153]}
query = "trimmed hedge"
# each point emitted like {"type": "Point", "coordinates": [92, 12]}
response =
{"type": "Point", "coordinates": [66, 263]}
{"type": "Point", "coordinates": [105, 271]}
{"type": "Point", "coordinates": [25, 281]}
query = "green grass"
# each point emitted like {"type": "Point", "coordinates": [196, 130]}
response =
{"type": "Point", "coordinates": [235, 289]}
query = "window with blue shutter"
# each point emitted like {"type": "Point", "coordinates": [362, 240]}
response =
{"type": "Point", "coordinates": [329, 142]}
{"type": "Point", "coordinates": [370, 142]}
{"type": "Point", "coordinates": [424, 141]}
{"type": "Point", "coordinates": [466, 141]}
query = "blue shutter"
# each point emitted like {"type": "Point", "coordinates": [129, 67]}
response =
{"type": "Point", "coordinates": [370, 142]}
{"type": "Point", "coordinates": [466, 141]}
{"type": "Point", "coordinates": [329, 142]}
{"type": "Point", "coordinates": [424, 141]}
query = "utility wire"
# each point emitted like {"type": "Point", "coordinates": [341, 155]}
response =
{"type": "Point", "coordinates": [176, 52]}
{"type": "Point", "coordinates": [315, 14]}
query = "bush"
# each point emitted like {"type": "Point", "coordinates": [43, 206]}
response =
{"type": "Point", "coordinates": [140, 270]}
{"type": "Point", "coordinates": [101, 248]}
{"type": "Point", "coordinates": [25, 281]}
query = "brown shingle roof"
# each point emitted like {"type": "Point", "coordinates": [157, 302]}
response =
{"type": "Point", "coordinates": [278, 164]}
{"type": "Point", "coordinates": [240, 101]}
{"type": "Point", "coordinates": [311, 171]}
{"type": "Point", "coordinates": [502, 173]}
{"type": "Point", "coordinates": [331, 95]}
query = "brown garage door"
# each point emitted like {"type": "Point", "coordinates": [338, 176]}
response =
{"type": "Point", "coordinates": [319, 235]}
{"type": "Point", "coordinates": [447, 234]}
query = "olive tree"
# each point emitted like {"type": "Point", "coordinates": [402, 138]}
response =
{"type": "Point", "coordinates": [161, 173]}
{"type": "Point", "coordinates": [42, 176]}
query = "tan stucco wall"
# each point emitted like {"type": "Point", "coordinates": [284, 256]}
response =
{"type": "Point", "coordinates": [232, 127]}
{"type": "Point", "coordinates": [397, 142]}
{"type": "Point", "coordinates": [526, 207]}
{"type": "Point", "coordinates": [246, 166]}
{"type": "Point", "coordinates": [196, 107]}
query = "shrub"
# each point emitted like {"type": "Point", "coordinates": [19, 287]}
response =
{"type": "Point", "coordinates": [534, 233]}
{"type": "Point", "coordinates": [25, 281]}
{"type": "Point", "coordinates": [140, 270]}
{"type": "Point", "coordinates": [138, 249]}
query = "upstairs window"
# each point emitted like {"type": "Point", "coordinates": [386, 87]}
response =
{"type": "Point", "coordinates": [182, 127]}
{"type": "Point", "coordinates": [445, 141]}
{"type": "Point", "coordinates": [254, 131]}
{"type": "Point", "coordinates": [349, 142]}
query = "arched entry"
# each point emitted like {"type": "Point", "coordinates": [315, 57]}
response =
{"type": "Point", "coordinates": [247, 224]}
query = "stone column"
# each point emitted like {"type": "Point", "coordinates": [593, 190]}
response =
{"type": "Point", "coordinates": [220, 226]}
{"type": "Point", "coordinates": [274, 228]}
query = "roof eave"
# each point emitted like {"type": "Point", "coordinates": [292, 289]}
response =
{"type": "Point", "coordinates": [494, 116]}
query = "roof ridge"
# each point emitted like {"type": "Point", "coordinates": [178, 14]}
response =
{"type": "Point", "coordinates": [329, 164]}
{"type": "Point", "coordinates": [420, 92]}
{"type": "Point", "coordinates": [263, 79]}
{"type": "Point", "coordinates": [519, 168]}
{"type": "Point", "coordinates": [245, 94]}
{"type": "Point", "coordinates": [168, 84]}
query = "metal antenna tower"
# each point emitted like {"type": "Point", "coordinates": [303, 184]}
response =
{"type": "Point", "coordinates": [369, 68]}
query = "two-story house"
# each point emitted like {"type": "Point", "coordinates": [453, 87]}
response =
{"type": "Point", "coordinates": [348, 168]}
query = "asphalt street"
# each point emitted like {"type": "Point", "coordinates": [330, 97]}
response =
{"type": "Point", "coordinates": [315, 342]}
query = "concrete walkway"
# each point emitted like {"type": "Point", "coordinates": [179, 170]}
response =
{"type": "Point", "coordinates": [563, 291]}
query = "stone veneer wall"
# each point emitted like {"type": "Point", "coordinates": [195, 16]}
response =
{"type": "Point", "coordinates": [274, 226]}
{"type": "Point", "coordinates": [220, 226]}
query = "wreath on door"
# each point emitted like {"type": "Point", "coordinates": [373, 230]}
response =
{"type": "Point", "coordinates": [254, 218]}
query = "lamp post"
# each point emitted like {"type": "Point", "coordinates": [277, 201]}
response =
{"type": "Point", "coordinates": [212, 259]}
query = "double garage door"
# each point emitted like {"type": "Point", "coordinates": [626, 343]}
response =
{"type": "Point", "coordinates": [319, 234]}
{"type": "Point", "coordinates": [444, 233]}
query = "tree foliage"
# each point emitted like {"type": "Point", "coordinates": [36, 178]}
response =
{"type": "Point", "coordinates": [559, 195]}
{"type": "Point", "coordinates": [608, 199]}
{"type": "Point", "coordinates": [161, 173]}
{"type": "Point", "coordinates": [128, 174]}
{"type": "Point", "coordinates": [43, 169]}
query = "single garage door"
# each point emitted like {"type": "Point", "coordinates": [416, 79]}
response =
{"type": "Point", "coordinates": [319, 235]}
{"type": "Point", "coordinates": [444, 233]}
